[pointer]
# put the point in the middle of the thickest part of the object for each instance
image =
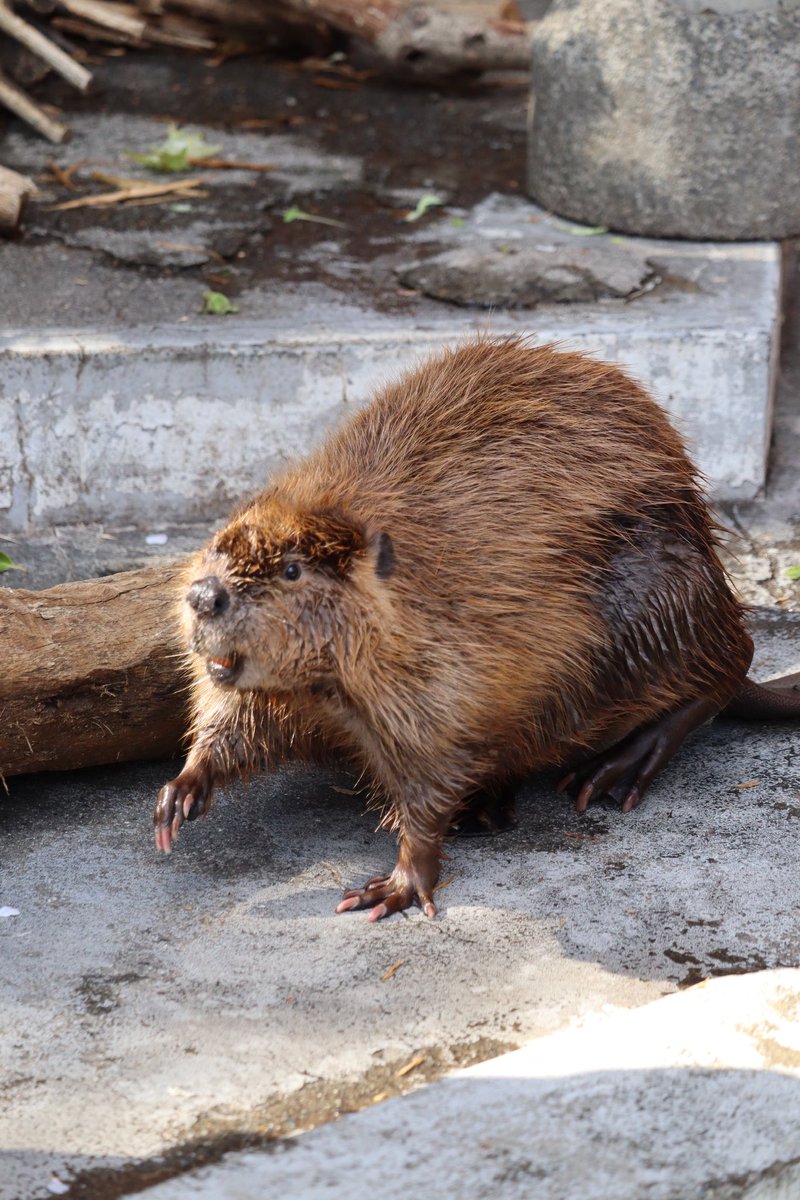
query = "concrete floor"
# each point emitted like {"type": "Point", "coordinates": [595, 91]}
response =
{"type": "Point", "coordinates": [185, 1005]}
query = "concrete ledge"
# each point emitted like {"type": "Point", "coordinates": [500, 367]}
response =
{"type": "Point", "coordinates": [697, 1094]}
{"type": "Point", "coordinates": [179, 423]}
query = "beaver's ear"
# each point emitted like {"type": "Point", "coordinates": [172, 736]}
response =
{"type": "Point", "coordinates": [382, 548]}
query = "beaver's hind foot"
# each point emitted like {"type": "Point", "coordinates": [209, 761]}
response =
{"type": "Point", "coordinates": [624, 771]}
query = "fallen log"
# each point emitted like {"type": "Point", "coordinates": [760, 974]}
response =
{"type": "Point", "coordinates": [14, 191]}
{"type": "Point", "coordinates": [90, 673]}
{"type": "Point", "coordinates": [425, 38]}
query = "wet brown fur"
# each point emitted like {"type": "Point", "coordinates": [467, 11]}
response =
{"type": "Point", "coordinates": [551, 584]}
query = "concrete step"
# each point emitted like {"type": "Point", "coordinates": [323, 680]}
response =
{"type": "Point", "coordinates": [697, 1094]}
{"type": "Point", "coordinates": [144, 423]}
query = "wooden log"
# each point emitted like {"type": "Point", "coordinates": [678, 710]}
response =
{"type": "Point", "coordinates": [116, 17]}
{"type": "Point", "coordinates": [90, 672]}
{"type": "Point", "coordinates": [425, 38]}
{"type": "Point", "coordinates": [14, 191]}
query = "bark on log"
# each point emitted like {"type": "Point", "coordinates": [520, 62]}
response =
{"type": "Point", "coordinates": [90, 673]}
{"type": "Point", "coordinates": [425, 37]}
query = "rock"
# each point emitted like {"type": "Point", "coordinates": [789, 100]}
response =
{"type": "Point", "coordinates": [178, 246]}
{"type": "Point", "coordinates": [674, 118]}
{"type": "Point", "coordinates": [512, 276]}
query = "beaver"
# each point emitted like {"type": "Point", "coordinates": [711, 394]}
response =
{"type": "Point", "coordinates": [503, 563]}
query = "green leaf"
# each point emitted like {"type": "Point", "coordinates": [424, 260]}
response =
{"type": "Point", "coordinates": [793, 573]}
{"type": "Point", "coordinates": [6, 564]}
{"type": "Point", "coordinates": [217, 304]}
{"type": "Point", "coordinates": [176, 152]}
{"type": "Point", "coordinates": [424, 204]}
{"type": "Point", "coordinates": [297, 214]}
{"type": "Point", "coordinates": [457, 222]}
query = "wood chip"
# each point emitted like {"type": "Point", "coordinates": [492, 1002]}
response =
{"type": "Point", "coordinates": [749, 784]}
{"type": "Point", "coordinates": [410, 1066]}
{"type": "Point", "coordinates": [401, 962]}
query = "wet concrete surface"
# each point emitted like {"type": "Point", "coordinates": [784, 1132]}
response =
{"type": "Point", "coordinates": [360, 152]}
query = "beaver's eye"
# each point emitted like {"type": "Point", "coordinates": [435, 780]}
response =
{"type": "Point", "coordinates": [292, 571]}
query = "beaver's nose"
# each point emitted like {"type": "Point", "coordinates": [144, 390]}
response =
{"type": "Point", "coordinates": [208, 597]}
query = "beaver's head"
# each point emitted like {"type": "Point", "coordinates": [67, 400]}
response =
{"type": "Point", "coordinates": [281, 596]}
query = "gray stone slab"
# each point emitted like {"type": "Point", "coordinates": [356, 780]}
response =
{"type": "Point", "coordinates": [178, 422]}
{"type": "Point", "coordinates": [147, 1002]}
{"type": "Point", "coordinates": [694, 1095]}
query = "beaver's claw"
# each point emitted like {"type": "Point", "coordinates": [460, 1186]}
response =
{"type": "Point", "coordinates": [387, 894]}
{"type": "Point", "coordinates": [182, 799]}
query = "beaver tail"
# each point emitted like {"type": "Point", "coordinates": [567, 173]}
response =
{"type": "Point", "coordinates": [777, 700]}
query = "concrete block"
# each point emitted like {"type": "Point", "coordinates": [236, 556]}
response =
{"type": "Point", "coordinates": [180, 422]}
{"type": "Point", "coordinates": [670, 118]}
{"type": "Point", "coordinates": [697, 1094]}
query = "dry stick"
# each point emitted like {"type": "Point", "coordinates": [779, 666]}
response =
{"type": "Point", "coordinates": [152, 35]}
{"type": "Point", "coordinates": [230, 164]}
{"type": "Point", "coordinates": [163, 36]}
{"type": "Point", "coordinates": [138, 192]}
{"type": "Point", "coordinates": [15, 99]}
{"type": "Point", "coordinates": [93, 33]}
{"type": "Point", "coordinates": [43, 48]}
{"type": "Point", "coordinates": [63, 175]}
{"type": "Point", "coordinates": [109, 16]}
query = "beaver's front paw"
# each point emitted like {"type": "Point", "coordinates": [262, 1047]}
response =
{"type": "Point", "coordinates": [387, 894]}
{"type": "Point", "coordinates": [182, 799]}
